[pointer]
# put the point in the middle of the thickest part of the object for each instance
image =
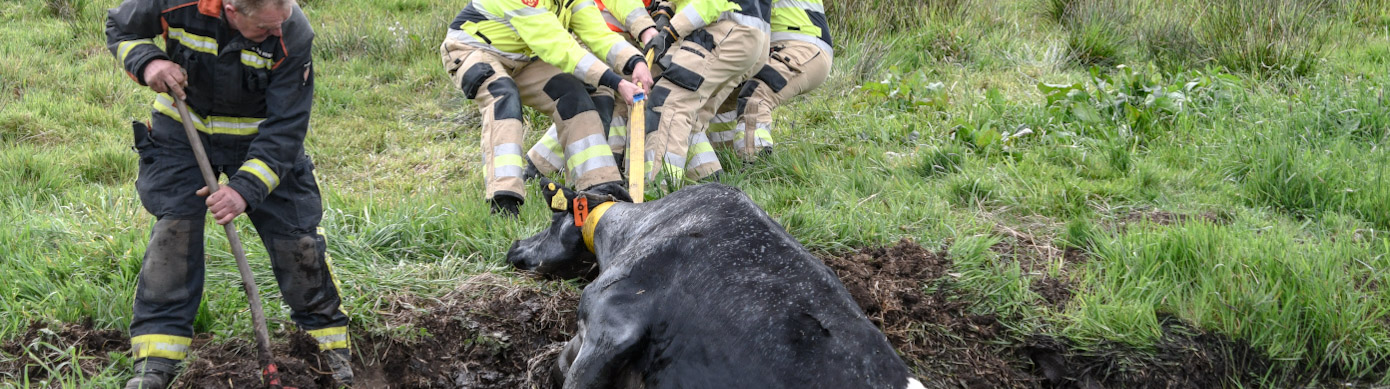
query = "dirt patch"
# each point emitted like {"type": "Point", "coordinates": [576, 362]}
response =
{"type": "Point", "coordinates": [1056, 292]}
{"type": "Point", "coordinates": [1184, 357]}
{"type": "Point", "coordinates": [907, 292]}
{"type": "Point", "coordinates": [48, 351]}
{"type": "Point", "coordinates": [1035, 256]}
{"type": "Point", "coordinates": [491, 332]}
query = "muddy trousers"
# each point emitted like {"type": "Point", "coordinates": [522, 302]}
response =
{"type": "Point", "coordinates": [500, 86]}
{"type": "Point", "coordinates": [706, 67]}
{"type": "Point", "coordinates": [793, 68]}
{"type": "Point", "coordinates": [170, 285]}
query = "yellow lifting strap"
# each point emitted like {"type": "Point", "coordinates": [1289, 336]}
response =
{"type": "Point", "coordinates": [637, 137]}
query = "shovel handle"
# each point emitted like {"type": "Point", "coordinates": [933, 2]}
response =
{"type": "Point", "coordinates": [248, 281]}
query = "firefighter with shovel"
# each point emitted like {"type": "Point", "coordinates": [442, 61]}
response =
{"type": "Point", "coordinates": [243, 69]}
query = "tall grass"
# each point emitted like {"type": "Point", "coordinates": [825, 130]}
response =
{"type": "Point", "coordinates": [1299, 301]}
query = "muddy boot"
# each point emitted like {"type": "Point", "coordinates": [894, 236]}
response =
{"type": "Point", "coordinates": [611, 188]}
{"type": "Point", "coordinates": [506, 205]}
{"type": "Point", "coordinates": [340, 362]}
{"type": "Point", "coordinates": [152, 373]}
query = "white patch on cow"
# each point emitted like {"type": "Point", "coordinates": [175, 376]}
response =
{"type": "Point", "coordinates": [913, 383]}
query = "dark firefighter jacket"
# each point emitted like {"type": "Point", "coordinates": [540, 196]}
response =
{"type": "Point", "coordinates": [244, 95]}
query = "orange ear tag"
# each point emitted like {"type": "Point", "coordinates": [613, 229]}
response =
{"type": "Point", "coordinates": [581, 210]}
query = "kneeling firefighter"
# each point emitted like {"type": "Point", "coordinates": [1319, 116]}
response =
{"type": "Point", "coordinates": [491, 53]}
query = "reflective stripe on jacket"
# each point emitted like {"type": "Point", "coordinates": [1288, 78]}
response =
{"type": "Point", "coordinates": [236, 88]}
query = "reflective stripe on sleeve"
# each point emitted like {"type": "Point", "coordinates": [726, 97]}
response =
{"type": "Point", "coordinates": [522, 12]}
{"type": "Point", "coordinates": [160, 346]}
{"type": "Point", "coordinates": [582, 68]}
{"type": "Point", "coordinates": [582, 5]}
{"type": "Point", "coordinates": [262, 171]}
{"type": "Point", "coordinates": [123, 49]}
{"type": "Point", "coordinates": [331, 338]}
{"type": "Point", "coordinates": [806, 5]}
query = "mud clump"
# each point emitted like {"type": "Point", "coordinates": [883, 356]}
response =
{"type": "Point", "coordinates": [491, 332]}
{"type": "Point", "coordinates": [908, 293]}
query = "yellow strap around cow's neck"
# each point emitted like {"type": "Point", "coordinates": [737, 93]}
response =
{"type": "Point", "coordinates": [591, 223]}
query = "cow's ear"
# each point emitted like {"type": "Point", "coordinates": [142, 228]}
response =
{"type": "Point", "coordinates": [557, 196]}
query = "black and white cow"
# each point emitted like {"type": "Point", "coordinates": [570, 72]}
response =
{"type": "Point", "coordinates": [702, 289]}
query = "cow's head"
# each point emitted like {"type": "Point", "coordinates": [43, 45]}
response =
{"type": "Point", "coordinates": [559, 251]}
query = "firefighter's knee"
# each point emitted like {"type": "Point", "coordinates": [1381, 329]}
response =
{"type": "Point", "coordinates": [301, 271]}
{"type": "Point", "coordinates": [507, 104]}
{"type": "Point", "coordinates": [174, 244]}
{"type": "Point", "coordinates": [570, 96]}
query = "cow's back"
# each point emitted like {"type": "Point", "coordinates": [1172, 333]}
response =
{"type": "Point", "coordinates": [739, 303]}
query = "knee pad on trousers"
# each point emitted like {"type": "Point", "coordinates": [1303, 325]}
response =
{"type": "Point", "coordinates": [657, 99]}
{"type": "Point", "coordinates": [604, 105]}
{"type": "Point", "coordinates": [473, 78]}
{"type": "Point", "coordinates": [164, 274]}
{"type": "Point", "coordinates": [684, 78]}
{"type": "Point", "coordinates": [773, 79]}
{"type": "Point", "coordinates": [303, 275]}
{"type": "Point", "coordinates": [570, 96]}
{"type": "Point", "coordinates": [508, 99]}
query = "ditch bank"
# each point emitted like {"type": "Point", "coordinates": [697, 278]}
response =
{"type": "Point", "coordinates": [495, 332]}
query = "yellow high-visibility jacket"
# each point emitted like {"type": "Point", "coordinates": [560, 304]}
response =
{"type": "Point", "coordinates": [522, 29]}
{"type": "Point", "coordinates": [695, 14]}
{"type": "Point", "coordinates": [628, 16]}
{"type": "Point", "coordinates": [802, 20]}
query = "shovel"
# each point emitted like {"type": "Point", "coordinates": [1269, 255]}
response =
{"type": "Point", "coordinates": [270, 374]}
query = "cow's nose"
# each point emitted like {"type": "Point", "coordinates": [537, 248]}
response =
{"type": "Point", "coordinates": [516, 257]}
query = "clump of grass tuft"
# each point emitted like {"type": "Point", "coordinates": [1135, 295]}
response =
{"type": "Point", "coordinates": [1096, 33]}
{"type": "Point", "coordinates": [941, 160]}
{"type": "Point", "coordinates": [110, 166]}
{"type": "Point", "coordinates": [70, 10]}
{"type": "Point", "coordinates": [25, 170]}
{"type": "Point", "coordinates": [973, 191]}
{"type": "Point", "coordinates": [860, 17]}
{"type": "Point", "coordinates": [1270, 37]}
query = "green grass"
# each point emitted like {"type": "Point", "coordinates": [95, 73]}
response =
{"type": "Point", "coordinates": [1281, 130]}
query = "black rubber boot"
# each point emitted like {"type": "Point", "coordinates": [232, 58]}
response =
{"type": "Point", "coordinates": [153, 373]}
{"type": "Point", "coordinates": [340, 362]}
{"type": "Point", "coordinates": [531, 171]}
{"type": "Point", "coordinates": [506, 205]}
{"type": "Point", "coordinates": [611, 188]}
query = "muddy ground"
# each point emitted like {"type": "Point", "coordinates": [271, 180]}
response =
{"type": "Point", "coordinates": [494, 332]}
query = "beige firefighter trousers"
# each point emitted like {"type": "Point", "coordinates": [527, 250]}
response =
{"type": "Point", "coordinates": [500, 86]}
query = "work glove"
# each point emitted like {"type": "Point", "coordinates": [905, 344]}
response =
{"type": "Point", "coordinates": [661, 42]}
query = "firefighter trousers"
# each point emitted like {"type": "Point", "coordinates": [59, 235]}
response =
{"type": "Point", "coordinates": [706, 67]}
{"type": "Point", "coordinates": [793, 68]}
{"type": "Point", "coordinates": [170, 285]}
{"type": "Point", "coordinates": [500, 86]}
